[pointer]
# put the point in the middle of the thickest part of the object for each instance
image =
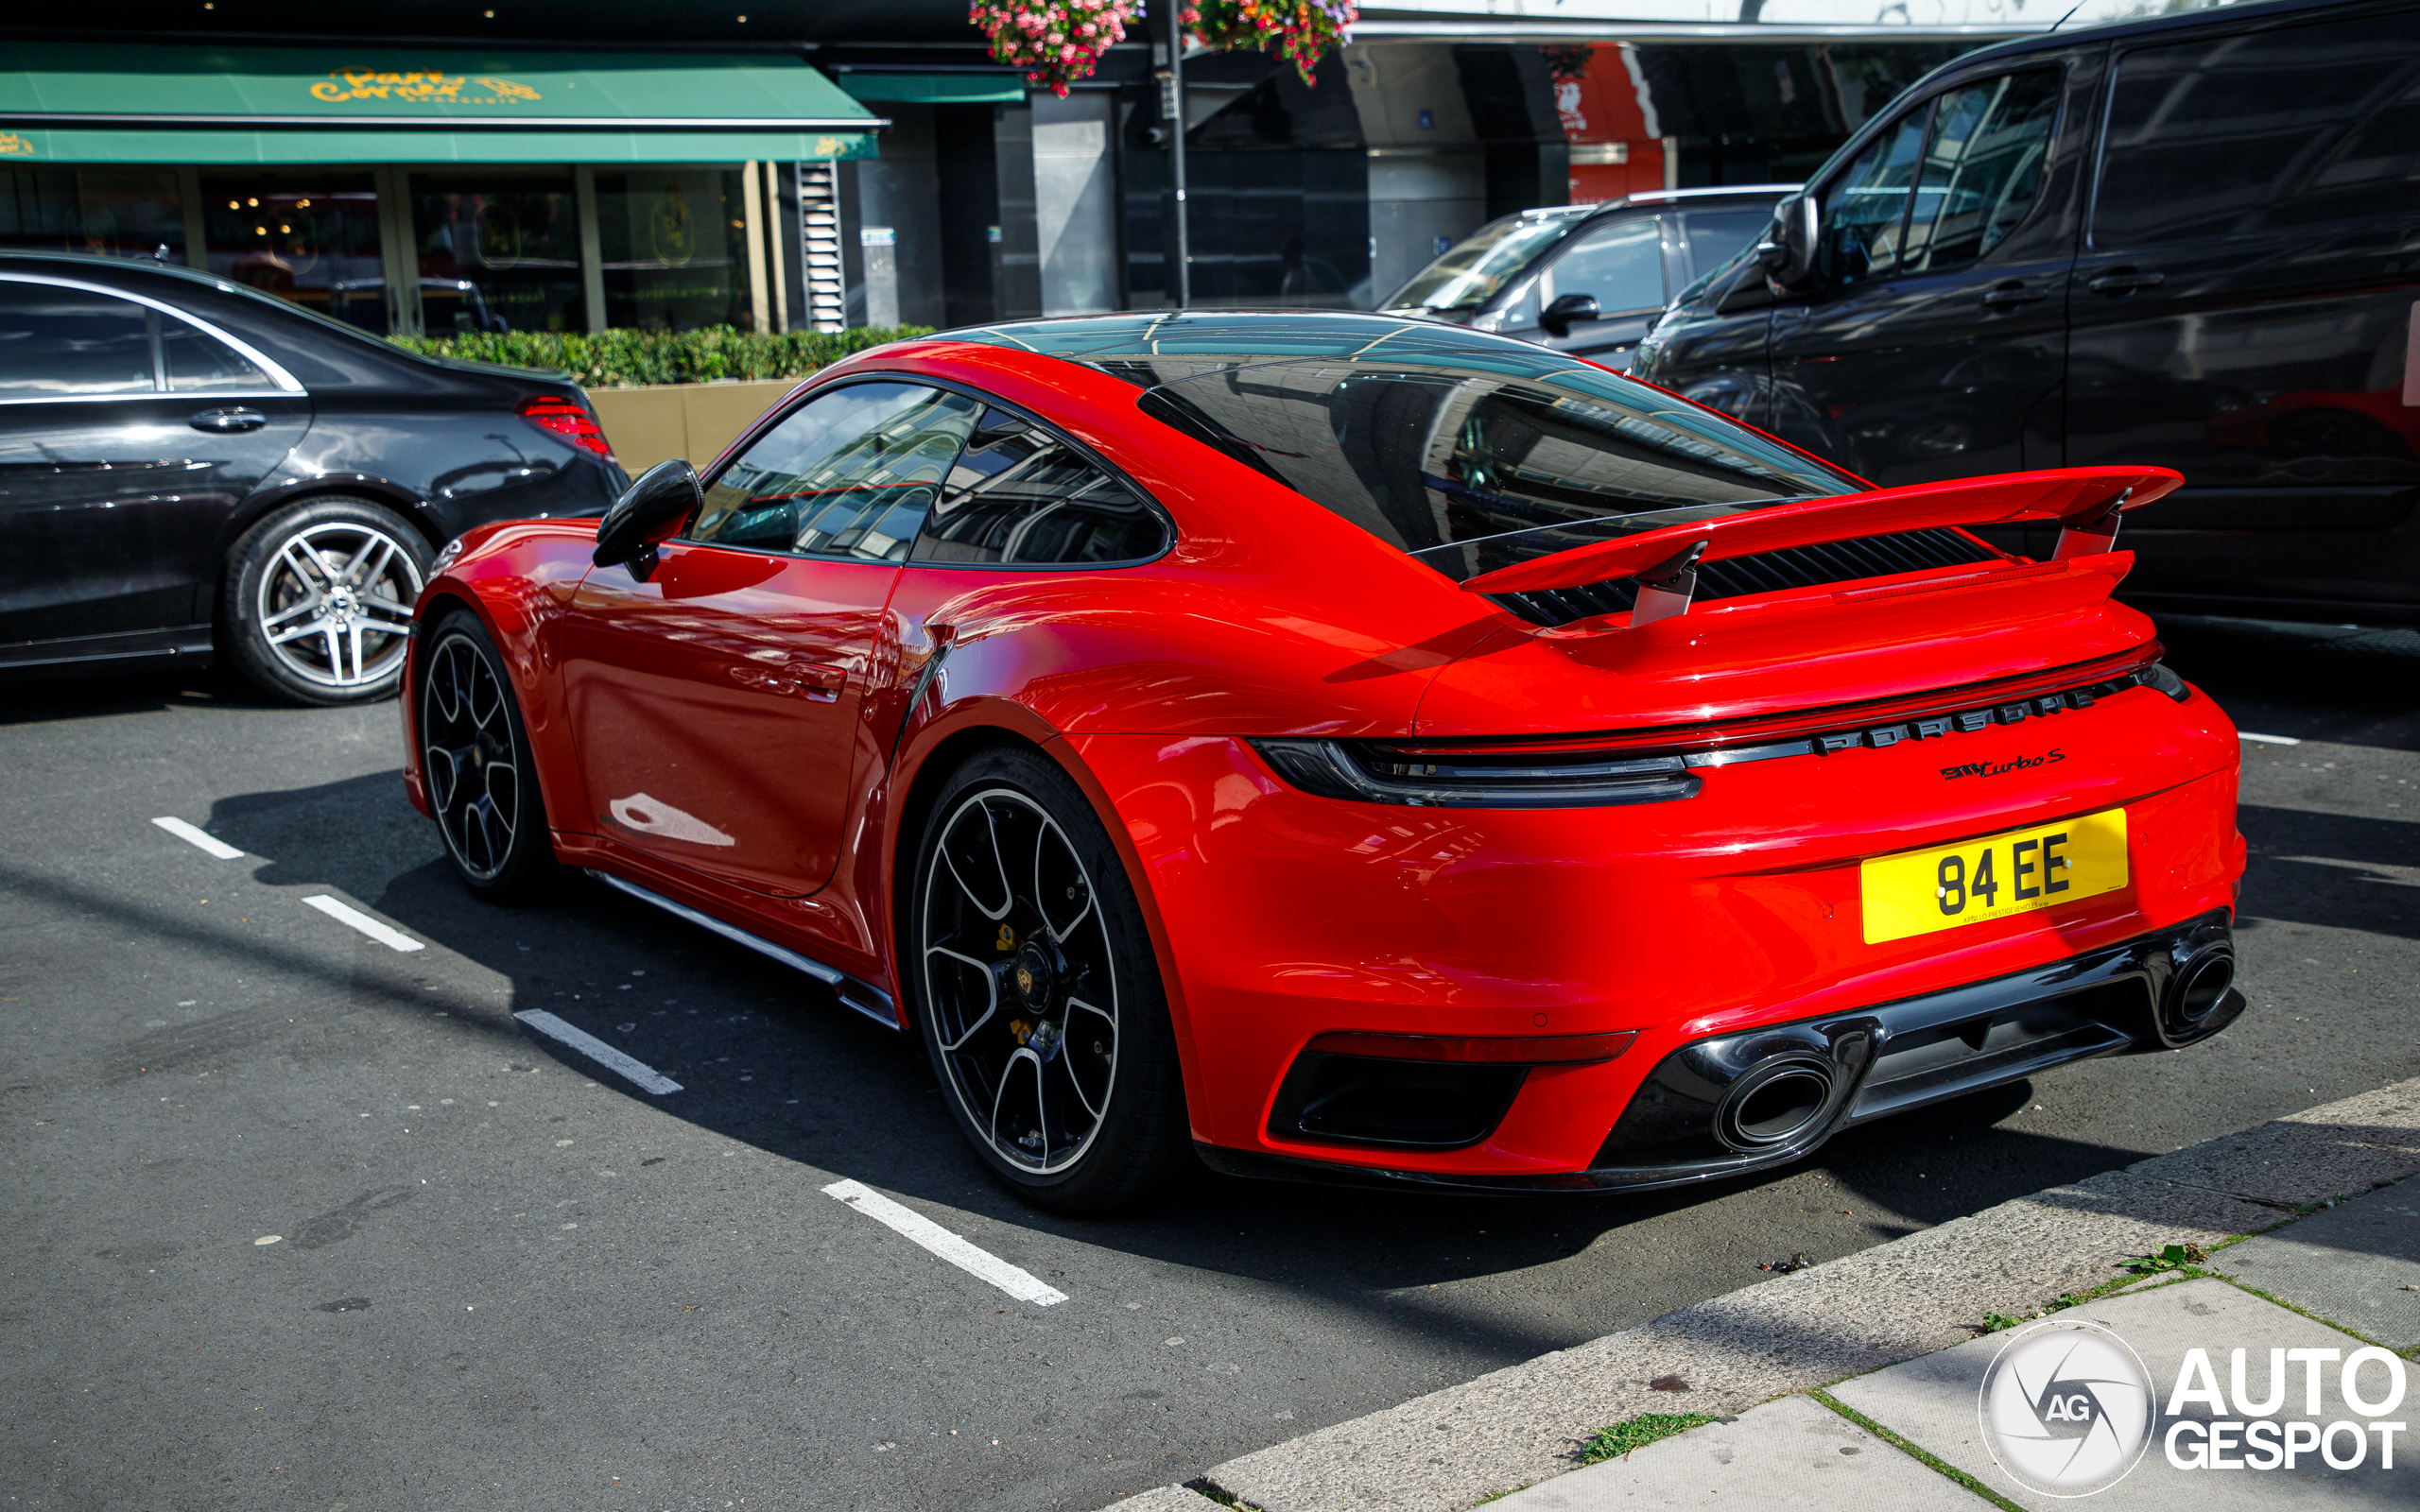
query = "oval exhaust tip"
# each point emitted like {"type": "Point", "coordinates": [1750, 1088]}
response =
{"type": "Point", "coordinates": [2201, 987]}
{"type": "Point", "coordinates": [1775, 1104]}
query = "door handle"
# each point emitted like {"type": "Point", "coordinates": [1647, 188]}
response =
{"type": "Point", "coordinates": [228, 422]}
{"type": "Point", "coordinates": [2009, 295]}
{"type": "Point", "coordinates": [2125, 281]}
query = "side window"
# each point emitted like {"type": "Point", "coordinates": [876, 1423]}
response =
{"type": "Point", "coordinates": [2295, 125]}
{"type": "Point", "coordinates": [1865, 211]}
{"type": "Point", "coordinates": [1982, 169]}
{"type": "Point", "coordinates": [1620, 266]}
{"type": "Point", "coordinates": [1021, 495]}
{"type": "Point", "coordinates": [197, 363]}
{"type": "Point", "coordinates": [58, 343]}
{"type": "Point", "coordinates": [849, 473]}
{"type": "Point", "coordinates": [1717, 235]}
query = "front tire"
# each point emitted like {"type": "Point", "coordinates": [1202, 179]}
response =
{"type": "Point", "coordinates": [1036, 991]}
{"type": "Point", "coordinates": [318, 601]}
{"type": "Point", "coordinates": [481, 781]}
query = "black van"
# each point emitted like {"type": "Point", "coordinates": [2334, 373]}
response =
{"type": "Point", "coordinates": [2193, 242]}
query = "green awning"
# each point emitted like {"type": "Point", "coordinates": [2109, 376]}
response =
{"type": "Point", "coordinates": [934, 89]}
{"type": "Point", "coordinates": [80, 102]}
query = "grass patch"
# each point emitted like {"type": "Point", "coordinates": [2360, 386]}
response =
{"type": "Point", "coordinates": [1204, 1485]}
{"type": "Point", "coordinates": [1931, 1462]}
{"type": "Point", "coordinates": [1636, 1433]}
{"type": "Point", "coordinates": [2171, 1257]}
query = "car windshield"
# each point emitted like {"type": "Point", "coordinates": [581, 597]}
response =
{"type": "Point", "coordinates": [1470, 470]}
{"type": "Point", "coordinates": [1480, 264]}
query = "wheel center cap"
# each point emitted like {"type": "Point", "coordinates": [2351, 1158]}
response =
{"type": "Point", "coordinates": [1035, 975]}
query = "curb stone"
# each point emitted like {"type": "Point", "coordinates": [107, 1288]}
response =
{"type": "Point", "coordinates": [1444, 1451]}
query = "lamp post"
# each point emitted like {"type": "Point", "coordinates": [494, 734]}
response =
{"type": "Point", "coordinates": [1176, 152]}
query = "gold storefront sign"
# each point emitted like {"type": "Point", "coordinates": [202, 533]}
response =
{"type": "Point", "coordinates": [13, 146]}
{"type": "Point", "coordinates": [431, 85]}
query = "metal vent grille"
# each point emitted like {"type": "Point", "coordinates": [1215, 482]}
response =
{"type": "Point", "coordinates": [818, 246]}
{"type": "Point", "coordinates": [1835, 562]}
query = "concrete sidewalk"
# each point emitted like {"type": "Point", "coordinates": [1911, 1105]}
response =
{"type": "Point", "coordinates": [1858, 1383]}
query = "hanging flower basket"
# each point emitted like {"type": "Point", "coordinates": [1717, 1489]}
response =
{"type": "Point", "coordinates": [1055, 42]}
{"type": "Point", "coordinates": [1303, 30]}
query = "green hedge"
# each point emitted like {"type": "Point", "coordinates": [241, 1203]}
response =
{"type": "Point", "coordinates": [616, 358]}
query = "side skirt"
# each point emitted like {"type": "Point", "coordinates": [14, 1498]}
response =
{"type": "Point", "coordinates": [864, 997]}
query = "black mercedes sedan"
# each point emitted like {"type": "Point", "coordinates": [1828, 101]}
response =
{"type": "Point", "coordinates": [191, 469]}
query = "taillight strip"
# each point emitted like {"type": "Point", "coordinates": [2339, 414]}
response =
{"type": "Point", "coordinates": [1761, 729]}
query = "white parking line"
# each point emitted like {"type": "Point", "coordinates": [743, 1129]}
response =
{"type": "Point", "coordinates": [344, 914]}
{"type": "Point", "coordinates": [923, 1230]}
{"type": "Point", "coordinates": [195, 835]}
{"type": "Point", "coordinates": [2268, 740]}
{"type": "Point", "coordinates": [638, 1071]}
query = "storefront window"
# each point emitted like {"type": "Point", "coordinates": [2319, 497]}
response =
{"type": "Point", "coordinates": [497, 252]}
{"type": "Point", "coordinates": [309, 237]}
{"type": "Point", "coordinates": [675, 245]}
{"type": "Point", "coordinates": [107, 212]}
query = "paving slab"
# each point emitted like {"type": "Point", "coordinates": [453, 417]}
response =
{"type": "Point", "coordinates": [2332, 1150]}
{"type": "Point", "coordinates": [1163, 1498]}
{"type": "Point", "coordinates": [1793, 1452]}
{"type": "Point", "coordinates": [1932, 1403]}
{"type": "Point", "coordinates": [2357, 1264]}
{"type": "Point", "coordinates": [1444, 1451]}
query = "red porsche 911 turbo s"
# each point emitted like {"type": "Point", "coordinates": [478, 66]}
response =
{"type": "Point", "coordinates": [1344, 748]}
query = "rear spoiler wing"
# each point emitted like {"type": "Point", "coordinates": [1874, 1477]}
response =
{"type": "Point", "coordinates": [2086, 502]}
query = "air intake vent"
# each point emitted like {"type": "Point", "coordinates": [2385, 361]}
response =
{"type": "Point", "coordinates": [1835, 562]}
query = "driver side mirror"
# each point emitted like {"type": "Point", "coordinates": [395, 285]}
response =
{"type": "Point", "coordinates": [1787, 253]}
{"type": "Point", "coordinates": [1559, 317]}
{"type": "Point", "coordinates": [649, 512]}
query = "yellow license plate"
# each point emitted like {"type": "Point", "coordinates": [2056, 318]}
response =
{"type": "Point", "coordinates": [2043, 866]}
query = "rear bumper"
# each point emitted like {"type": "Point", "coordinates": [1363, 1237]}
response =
{"type": "Point", "coordinates": [1683, 1124]}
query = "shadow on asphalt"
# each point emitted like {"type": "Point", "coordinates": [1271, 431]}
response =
{"type": "Point", "coordinates": [2345, 683]}
{"type": "Point", "coordinates": [769, 1058]}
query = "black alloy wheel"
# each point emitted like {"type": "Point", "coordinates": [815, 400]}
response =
{"type": "Point", "coordinates": [318, 597]}
{"type": "Point", "coordinates": [474, 760]}
{"type": "Point", "coordinates": [1036, 990]}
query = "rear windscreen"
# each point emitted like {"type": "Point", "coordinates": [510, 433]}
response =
{"type": "Point", "coordinates": [1475, 471]}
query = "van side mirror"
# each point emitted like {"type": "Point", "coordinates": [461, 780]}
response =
{"type": "Point", "coordinates": [1787, 253]}
{"type": "Point", "coordinates": [649, 512]}
{"type": "Point", "coordinates": [1559, 317]}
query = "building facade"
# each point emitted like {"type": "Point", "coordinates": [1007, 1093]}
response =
{"type": "Point", "coordinates": [822, 163]}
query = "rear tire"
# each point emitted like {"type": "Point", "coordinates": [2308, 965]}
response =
{"type": "Point", "coordinates": [475, 757]}
{"type": "Point", "coordinates": [318, 601]}
{"type": "Point", "coordinates": [1031, 976]}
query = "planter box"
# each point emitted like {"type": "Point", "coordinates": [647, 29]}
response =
{"type": "Point", "coordinates": [647, 425]}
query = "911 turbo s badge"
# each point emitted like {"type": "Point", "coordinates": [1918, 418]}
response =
{"type": "Point", "coordinates": [2015, 764]}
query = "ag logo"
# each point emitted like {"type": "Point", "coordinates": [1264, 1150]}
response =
{"type": "Point", "coordinates": [2067, 1409]}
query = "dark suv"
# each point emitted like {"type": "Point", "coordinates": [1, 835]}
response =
{"type": "Point", "coordinates": [1587, 279]}
{"type": "Point", "coordinates": [2186, 242]}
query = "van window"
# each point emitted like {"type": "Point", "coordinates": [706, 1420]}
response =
{"type": "Point", "coordinates": [1945, 186]}
{"type": "Point", "coordinates": [2293, 127]}
{"type": "Point", "coordinates": [1865, 211]}
{"type": "Point", "coordinates": [1981, 170]}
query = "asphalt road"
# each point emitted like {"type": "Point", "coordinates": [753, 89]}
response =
{"type": "Point", "coordinates": [505, 1279]}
